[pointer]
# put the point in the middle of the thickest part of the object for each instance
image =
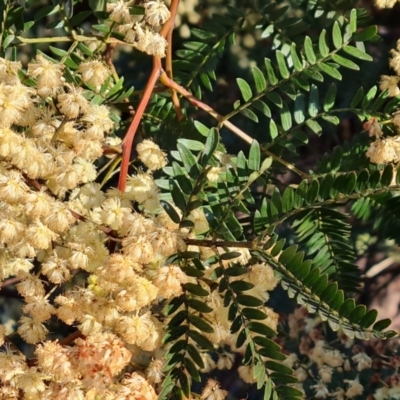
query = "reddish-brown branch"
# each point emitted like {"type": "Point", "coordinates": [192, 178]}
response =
{"type": "Point", "coordinates": [70, 338]}
{"type": "Point", "coordinates": [155, 74]}
{"type": "Point", "coordinates": [32, 182]}
{"type": "Point", "coordinates": [112, 150]}
{"type": "Point", "coordinates": [165, 80]}
{"type": "Point", "coordinates": [9, 282]}
{"type": "Point", "coordinates": [167, 32]}
{"type": "Point", "coordinates": [130, 134]}
{"type": "Point", "coordinates": [108, 55]}
{"type": "Point", "coordinates": [64, 342]}
{"type": "Point", "coordinates": [169, 25]}
{"type": "Point", "coordinates": [170, 83]}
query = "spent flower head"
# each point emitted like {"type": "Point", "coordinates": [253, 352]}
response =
{"type": "Point", "coordinates": [119, 11]}
{"type": "Point", "coordinates": [156, 12]}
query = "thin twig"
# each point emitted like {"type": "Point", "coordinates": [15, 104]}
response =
{"type": "Point", "coordinates": [72, 38]}
{"type": "Point", "coordinates": [379, 267]}
{"type": "Point", "coordinates": [171, 21]}
{"type": "Point", "coordinates": [220, 118]}
{"type": "Point", "coordinates": [70, 338]}
{"type": "Point", "coordinates": [107, 55]}
{"type": "Point", "coordinates": [216, 243]}
{"type": "Point", "coordinates": [9, 282]}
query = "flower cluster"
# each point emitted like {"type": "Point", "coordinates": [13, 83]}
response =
{"type": "Point", "coordinates": [79, 372]}
{"type": "Point", "coordinates": [319, 367]}
{"type": "Point", "coordinates": [54, 215]}
{"type": "Point", "coordinates": [385, 3]}
{"type": "Point", "coordinates": [386, 150]}
{"type": "Point", "coordinates": [144, 34]}
{"type": "Point", "coordinates": [391, 83]}
{"type": "Point", "coordinates": [50, 135]}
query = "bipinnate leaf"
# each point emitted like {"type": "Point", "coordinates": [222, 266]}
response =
{"type": "Point", "coordinates": [318, 295]}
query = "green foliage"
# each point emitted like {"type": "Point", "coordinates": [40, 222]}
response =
{"type": "Point", "coordinates": [318, 277]}
{"type": "Point", "coordinates": [257, 201]}
{"type": "Point", "coordinates": [197, 62]}
{"type": "Point", "coordinates": [319, 271]}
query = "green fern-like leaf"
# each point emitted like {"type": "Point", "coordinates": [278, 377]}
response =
{"type": "Point", "coordinates": [325, 233]}
{"type": "Point", "coordinates": [197, 63]}
{"type": "Point", "coordinates": [311, 288]}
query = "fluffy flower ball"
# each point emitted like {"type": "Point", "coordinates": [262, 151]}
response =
{"type": "Point", "coordinates": [151, 155]}
{"type": "Point", "coordinates": [156, 12]}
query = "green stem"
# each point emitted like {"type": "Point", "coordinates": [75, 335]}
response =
{"type": "Point", "coordinates": [59, 129]}
{"type": "Point", "coordinates": [113, 165]}
{"type": "Point", "coordinates": [330, 202]}
{"type": "Point", "coordinates": [216, 243]}
{"type": "Point", "coordinates": [69, 52]}
{"type": "Point", "coordinates": [73, 38]}
{"type": "Point", "coordinates": [105, 38]}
